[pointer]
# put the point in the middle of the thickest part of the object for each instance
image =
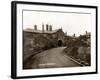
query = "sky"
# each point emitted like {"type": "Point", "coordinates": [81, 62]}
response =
{"type": "Point", "coordinates": [71, 23]}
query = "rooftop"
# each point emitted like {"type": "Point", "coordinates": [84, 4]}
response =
{"type": "Point", "coordinates": [40, 31]}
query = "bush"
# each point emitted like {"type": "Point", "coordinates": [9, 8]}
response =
{"type": "Point", "coordinates": [74, 52]}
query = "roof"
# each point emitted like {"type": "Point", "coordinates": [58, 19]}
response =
{"type": "Point", "coordinates": [40, 31]}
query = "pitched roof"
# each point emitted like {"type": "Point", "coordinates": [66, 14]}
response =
{"type": "Point", "coordinates": [40, 31]}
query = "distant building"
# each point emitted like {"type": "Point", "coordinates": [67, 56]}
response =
{"type": "Point", "coordinates": [87, 35]}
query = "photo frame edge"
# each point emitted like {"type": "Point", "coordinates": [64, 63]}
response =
{"type": "Point", "coordinates": [14, 39]}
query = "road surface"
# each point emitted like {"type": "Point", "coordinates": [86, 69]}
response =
{"type": "Point", "coordinates": [52, 58]}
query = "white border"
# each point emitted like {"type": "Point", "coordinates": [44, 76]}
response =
{"type": "Point", "coordinates": [33, 72]}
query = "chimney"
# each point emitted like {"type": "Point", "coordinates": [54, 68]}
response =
{"type": "Point", "coordinates": [66, 33]}
{"type": "Point", "coordinates": [47, 27]}
{"type": "Point", "coordinates": [86, 32]}
{"type": "Point", "coordinates": [35, 27]}
{"type": "Point", "coordinates": [42, 27]}
{"type": "Point", "coordinates": [73, 35]}
{"type": "Point", "coordinates": [50, 27]}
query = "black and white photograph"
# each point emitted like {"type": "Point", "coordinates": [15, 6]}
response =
{"type": "Point", "coordinates": [55, 39]}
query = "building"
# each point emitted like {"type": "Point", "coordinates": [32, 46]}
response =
{"type": "Point", "coordinates": [54, 35]}
{"type": "Point", "coordinates": [35, 40]}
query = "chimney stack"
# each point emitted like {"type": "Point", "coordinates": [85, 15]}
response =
{"type": "Point", "coordinates": [50, 27]}
{"type": "Point", "coordinates": [47, 27]}
{"type": "Point", "coordinates": [86, 32]}
{"type": "Point", "coordinates": [35, 27]}
{"type": "Point", "coordinates": [42, 27]}
{"type": "Point", "coordinates": [73, 35]}
{"type": "Point", "coordinates": [66, 33]}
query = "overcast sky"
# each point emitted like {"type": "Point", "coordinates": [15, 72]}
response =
{"type": "Point", "coordinates": [70, 22]}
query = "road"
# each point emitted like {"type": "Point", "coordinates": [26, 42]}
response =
{"type": "Point", "coordinates": [52, 58]}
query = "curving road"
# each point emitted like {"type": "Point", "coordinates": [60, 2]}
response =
{"type": "Point", "coordinates": [52, 58]}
